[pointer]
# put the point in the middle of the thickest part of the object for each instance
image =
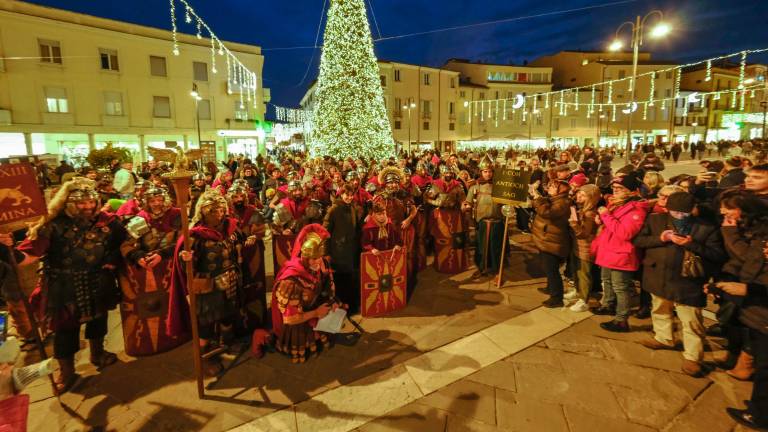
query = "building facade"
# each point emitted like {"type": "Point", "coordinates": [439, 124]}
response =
{"type": "Point", "coordinates": [72, 82]}
{"type": "Point", "coordinates": [487, 117]}
{"type": "Point", "coordinates": [585, 68]}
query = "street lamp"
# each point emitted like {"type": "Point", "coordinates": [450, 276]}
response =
{"type": "Point", "coordinates": [409, 106]}
{"type": "Point", "coordinates": [660, 30]}
{"type": "Point", "coordinates": [693, 135]}
{"type": "Point", "coordinates": [196, 96]}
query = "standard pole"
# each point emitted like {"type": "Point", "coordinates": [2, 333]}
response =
{"type": "Point", "coordinates": [633, 84]}
{"type": "Point", "coordinates": [197, 115]}
{"type": "Point", "coordinates": [765, 111]}
{"type": "Point", "coordinates": [503, 249]}
{"type": "Point", "coordinates": [181, 187]}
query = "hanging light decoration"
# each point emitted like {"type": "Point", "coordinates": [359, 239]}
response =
{"type": "Point", "coordinates": [174, 36]}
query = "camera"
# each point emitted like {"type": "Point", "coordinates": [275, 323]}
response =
{"type": "Point", "coordinates": [713, 289]}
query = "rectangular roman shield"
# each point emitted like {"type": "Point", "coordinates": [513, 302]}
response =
{"type": "Point", "coordinates": [383, 282]}
{"type": "Point", "coordinates": [282, 246]}
{"type": "Point", "coordinates": [20, 198]}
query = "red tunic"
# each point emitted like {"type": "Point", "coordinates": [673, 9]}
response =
{"type": "Point", "coordinates": [370, 237]}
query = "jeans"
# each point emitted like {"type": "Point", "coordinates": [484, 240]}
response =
{"type": "Point", "coordinates": [583, 277]}
{"type": "Point", "coordinates": [551, 264]}
{"type": "Point", "coordinates": [617, 285]}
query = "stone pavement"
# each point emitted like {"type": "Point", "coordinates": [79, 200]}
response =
{"type": "Point", "coordinates": [462, 356]}
{"type": "Point", "coordinates": [159, 393]}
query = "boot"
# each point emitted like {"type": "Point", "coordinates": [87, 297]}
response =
{"type": "Point", "coordinates": [691, 368]}
{"type": "Point", "coordinates": [100, 357]}
{"type": "Point", "coordinates": [744, 367]}
{"type": "Point", "coordinates": [67, 376]}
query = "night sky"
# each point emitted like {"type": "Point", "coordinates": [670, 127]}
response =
{"type": "Point", "coordinates": [701, 29]}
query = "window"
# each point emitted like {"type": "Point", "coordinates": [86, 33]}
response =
{"type": "Point", "coordinates": [397, 75]}
{"type": "Point", "coordinates": [556, 123]}
{"type": "Point", "coordinates": [398, 125]}
{"type": "Point", "coordinates": [622, 74]}
{"type": "Point", "coordinates": [426, 125]}
{"type": "Point", "coordinates": [481, 96]}
{"type": "Point", "coordinates": [426, 107]}
{"type": "Point", "coordinates": [204, 109]}
{"type": "Point", "coordinates": [462, 94]}
{"type": "Point", "coordinates": [451, 108]}
{"type": "Point", "coordinates": [200, 71]}
{"type": "Point", "coordinates": [109, 60]}
{"type": "Point", "coordinates": [668, 93]}
{"type": "Point", "coordinates": [453, 82]}
{"type": "Point", "coordinates": [113, 103]}
{"type": "Point", "coordinates": [668, 75]}
{"type": "Point", "coordinates": [161, 106]}
{"type": "Point", "coordinates": [241, 112]}
{"type": "Point", "coordinates": [451, 126]}
{"type": "Point", "coordinates": [426, 79]}
{"type": "Point", "coordinates": [573, 123]}
{"type": "Point", "coordinates": [56, 100]}
{"type": "Point", "coordinates": [398, 106]}
{"type": "Point", "coordinates": [157, 66]}
{"type": "Point", "coordinates": [383, 80]}
{"type": "Point", "coordinates": [50, 51]}
{"type": "Point", "coordinates": [539, 120]}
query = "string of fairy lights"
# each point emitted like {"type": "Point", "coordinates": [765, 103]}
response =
{"type": "Point", "coordinates": [565, 100]}
{"type": "Point", "coordinates": [239, 78]}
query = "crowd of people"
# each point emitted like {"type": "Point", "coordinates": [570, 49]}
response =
{"type": "Point", "coordinates": [605, 237]}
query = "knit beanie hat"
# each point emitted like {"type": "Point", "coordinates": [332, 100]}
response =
{"type": "Point", "coordinates": [681, 202]}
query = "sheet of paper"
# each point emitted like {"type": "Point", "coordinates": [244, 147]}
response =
{"type": "Point", "coordinates": [332, 322]}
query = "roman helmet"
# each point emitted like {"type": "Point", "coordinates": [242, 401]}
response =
{"type": "Point", "coordinates": [76, 190]}
{"type": "Point", "coordinates": [294, 185]}
{"type": "Point", "coordinates": [485, 163]}
{"type": "Point", "coordinates": [198, 176]}
{"type": "Point", "coordinates": [237, 189]}
{"type": "Point", "coordinates": [310, 243]}
{"type": "Point", "coordinates": [390, 175]}
{"type": "Point", "coordinates": [445, 170]}
{"type": "Point", "coordinates": [155, 191]}
{"type": "Point", "coordinates": [352, 175]}
{"type": "Point", "coordinates": [209, 200]}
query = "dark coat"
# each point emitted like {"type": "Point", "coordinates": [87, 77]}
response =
{"type": "Point", "coordinates": [732, 178]}
{"type": "Point", "coordinates": [551, 232]}
{"type": "Point", "coordinates": [345, 229]}
{"type": "Point", "coordinates": [663, 261]}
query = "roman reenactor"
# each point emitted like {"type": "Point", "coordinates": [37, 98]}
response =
{"type": "Point", "coordinates": [489, 220]}
{"type": "Point", "coordinates": [199, 185]}
{"type": "Point", "coordinates": [402, 211]}
{"type": "Point", "coordinates": [145, 276]}
{"type": "Point", "coordinates": [216, 281]}
{"type": "Point", "coordinates": [320, 187]}
{"type": "Point", "coordinates": [252, 225]}
{"type": "Point", "coordinates": [290, 211]}
{"type": "Point", "coordinates": [379, 232]}
{"type": "Point", "coordinates": [447, 224]}
{"type": "Point", "coordinates": [421, 179]}
{"type": "Point", "coordinates": [304, 292]}
{"type": "Point", "coordinates": [79, 247]}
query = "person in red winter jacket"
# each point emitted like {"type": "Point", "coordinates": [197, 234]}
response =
{"type": "Point", "coordinates": [613, 249]}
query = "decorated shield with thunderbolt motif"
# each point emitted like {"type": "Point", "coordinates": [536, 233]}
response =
{"type": "Point", "coordinates": [144, 309]}
{"type": "Point", "coordinates": [383, 281]}
{"type": "Point", "coordinates": [449, 231]}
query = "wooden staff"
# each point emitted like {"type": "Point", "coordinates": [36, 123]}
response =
{"type": "Point", "coordinates": [30, 314]}
{"type": "Point", "coordinates": [180, 178]}
{"type": "Point", "coordinates": [503, 249]}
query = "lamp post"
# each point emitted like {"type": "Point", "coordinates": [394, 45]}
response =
{"type": "Point", "coordinates": [410, 105]}
{"type": "Point", "coordinates": [196, 96]}
{"type": "Point", "coordinates": [693, 135]}
{"type": "Point", "coordinates": [660, 30]}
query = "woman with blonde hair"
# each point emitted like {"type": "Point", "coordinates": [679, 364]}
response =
{"type": "Point", "coordinates": [653, 181]}
{"type": "Point", "coordinates": [584, 229]}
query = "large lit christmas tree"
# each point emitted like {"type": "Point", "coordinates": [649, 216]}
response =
{"type": "Point", "coordinates": [350, 117]}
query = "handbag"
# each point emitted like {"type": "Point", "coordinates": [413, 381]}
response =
{"type": "Point", "coordinates": [693, 266]}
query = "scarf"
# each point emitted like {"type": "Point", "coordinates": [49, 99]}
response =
{"type": "Point", "coordinates": [383, 234]}
{"type": "Point", "coordinates": [682, 222]}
